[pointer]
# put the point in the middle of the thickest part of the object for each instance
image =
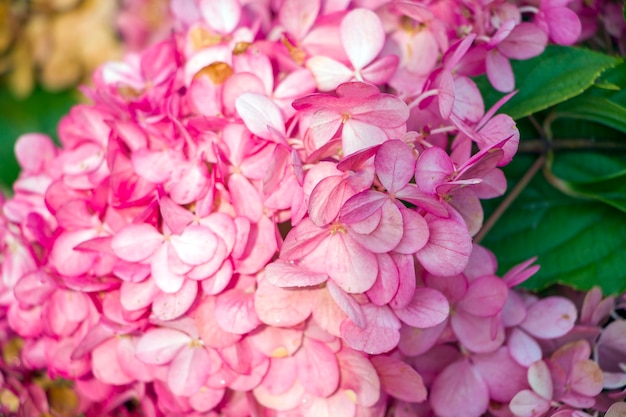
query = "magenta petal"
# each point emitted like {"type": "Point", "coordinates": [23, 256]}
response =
{"type": "Point", "coordinates": [398, 379]}
{"type": "Point", "coordinates": [362, 36]}
{"type": "Point", "coordinates": [428, 308]}
{"type": "Point", "coordinates": [189, 371]}
{"type": "Point", "coordinates": [380, 335]}
{"type": "Point", "coordinates": [550, 318]}
{"type": "Point", "coordinates": [159, 346]}
{"type": "Point", "coordinates": [459, 391]}
{"type": "Point", "coordinates": [135, 243]}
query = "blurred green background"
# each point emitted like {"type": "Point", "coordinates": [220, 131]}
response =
{"type": "Point", "coordinates": [39, 112]}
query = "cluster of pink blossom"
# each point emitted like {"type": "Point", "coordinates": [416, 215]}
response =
{"type": "Point", "coordinates": [271, 214]}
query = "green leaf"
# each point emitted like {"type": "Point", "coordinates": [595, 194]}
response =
{"type": "Point", "coordinates": [610, 190]}
{"type": "Point", "coordinates": [558, 74]}
{"type": "Point", "coordinates": [596, 109]}
{"type": "Point", "coordinates": [40, 112]}
{"type": "Point", "coordinates": [579, 242]}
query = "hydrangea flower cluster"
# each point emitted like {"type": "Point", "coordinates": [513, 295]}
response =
{"type": "Point", "coordinates": [271, 213]}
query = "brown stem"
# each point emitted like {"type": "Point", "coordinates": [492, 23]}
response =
{"type": "Point", "coordinates": [515, 192]}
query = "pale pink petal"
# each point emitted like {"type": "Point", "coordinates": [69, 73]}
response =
{"type": "Point", "coordinates": [380, 335]}
{"type": "Point", "coordinates": [155, 167]}
{"type": "Point", "coordinates": [106, 366]}
{"type": "Point", "coordinates": [398, 379]}
{"type": "Point", "coordinates": [288, 274]}
{"type": "Point", "coordinates": [459, 391]}
{"type": "Point", "coordinates": [523, 348]}
{"type": "Point", "coordinates": [477, 333]}
{"type": "Point", "coordinates": [138, 295]}
{"type": "Point", "coordinates": [277, 342]}
{"type": "Point", "coordinates": [428, 308]}
{"type": "Point", "coordinates": [34, 161]}
{"type": "Point", "coordinates": [362, 36]}
{"type": "Point", "coordinates": [167, 280]}
{"type": "Point", "coordinates": [359, 377]}
{"type": "Point", "coordinates": [260, 248]}
{"type": "Point", "coordinates": [159, 346]}
{"type": "Point", "coordinates": [297, 16]}
{"type": "Point", "coordinates": [406, 274]}
{"type": "Point", "coordinates": [387, 234]}
{"type": "Point", "coordinates": [210, 332]}
{"type": "Point", "coordinates": [222, 16]}
{"type": "Point", "coordinates": [358, 135]}
{"type": "Point", "coordinates": [446, 94]}
{"type": "Point", "coordinates": [171, 306]}
{"type": "Point", "coordinates": [174, 216]}
{"type": "Point", "coordinates": [328, 73]}
{"type": "Point", "coordinates": [415, 342]}
{"type": "Point", "coordinates": [433, 167]}
{"type": "Point", "coordinates": [188, 371]}
{"type": "Point", "coordinates": [136, 242]}
{"type": "Point", "coordinates": [318, 370]}
{"type": "Point", "coordinates": [235, 313]}
{"type": "Point", "coordinates": [206, 399]}
{"type": "Point", "coordinates": [616, 410]}
{"type": "Point", "coordinates": [66, 259]}
{"type": "Point", "coordinates": [129, 362]}
{"type": "Point", "coordinates": [468, 102]}
{"type": "Point", "coordinates": [528, 404]}
{"type": "Point", "coordinates": [550, 318]}
{"type": "Point", "coordinates": [586, 378]}
{"type": "Point", "coordinates": [351, 266]}
{"type": "Point", "coordinates": [260, 115]}
{"type": "Point", "coordinates": [196, 245]}
{"type": "Point", "coordinates": [278, 307]}
{"type": "Point", "coordinates": [525, 41]}
{"type": "Point", "coordinates": [347, 303]}
{"type": "Point", "coordinates": [540, 379]}
{"type": "Point", "coordinates": [327, 198]}
{"type": "Point", "coordinates": [380, 71]}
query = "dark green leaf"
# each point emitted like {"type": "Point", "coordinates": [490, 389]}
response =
{"type": "Point", "coordinates": [596, 109]}
{"type": "Point", "coordinates": [558, 74]}
{"type": "Point", "coordinates": [40, 112]}
{"type": "Point", "coordinates": [580, 242]}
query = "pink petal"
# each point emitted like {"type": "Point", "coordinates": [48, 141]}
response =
{"type": "Point", "coordinates": [210, 332]}
{"type": "Point", "coordinates": [318, 370]}
{"type": "Point", "coordinates": [288, 274]}
{"type": "Point", "coordinates": [34, 161]}
{"type": "Point", "coordinates": [550, 318]}
{"type": "Point", "coordinates": [523, 348]}
{"type": "Point", "coordinates": [159, 346]}
{"type": "Point", "coordinates": [206, 399]}
{"type": "Point", "coordinates": [433, 167]}
{"type": "Point", "coordinates": [387, 234]}
{"type": "Point", "coordinates": [196, 245]}
{"type": "Point", "coordinates": [222, 16]}
{"type": "Point", "coordinates": [358, 135]}
{"type": "Point", "coordinates": [359, 376]}
{"type": "Point", "coordinates": [565, 26]}
{"type": "Point", "coordinates": [235, 313]}
{"type": "Point", "coordinates": [399, 380]}
{"type": "Point", "coordinates": [616, 410]}
{"type": "Point", "coordinates": [278, 307]}
{"type": "Point", "coordinates": [188, 371]}
{"type": "Point", "coordinates": [129, 362]}
{"type": "Point", "coordinates": [351, 266]}
{"type": "Point", "coordinates": [380, 335]}
{"type": "Point", "coordinates": [485, 296]}
{"type": "Point", "coordinates": [477, 333]}
{"type": "Point", "coordinates": [347, 303]}
{"type": "Point", "coordinates": [446, 94]}
{"type": "Point", "coordinates": [297, 16]}
{"type": "Point", "coordinates": [380, 71]}
{"type": "Point", "coordinates": [428, 308]}
{"type": "Point", "coordinates": [328, 73]}
{"type": "Point", "coordinates": [395, 165]}
{"type": "Point", "coordinates": [135, 296]}
{"type": "Point", "coordinates": [171, 306]}
{"type": "Point", "coordinates": [540, 380]}
{"type": "Point", "coordinates": [525, 41]}
{"type": "Point", "coordinates": [387, 281]}
{"type": "Point", "coordinates": [362, 36]}
{"type": "Point", "coordinates": [175, 216]}
{"type": "Point", "coordinates": [167, 280]}
{"type": "Point", "coordinates": [136, 242]}
{"type": "Point", "coordinates": [448, 249]}
{"type": "Point", "coordinates": [260, 115]}
{"type": "Point", "coordinates": [528, 404]}
{"type": "Point", "coordinates": [504, 377]}
{"type": "Point", "coordinates": [106, 366]}
{"type": "Point", "coordinates": [499, 71]}
{"type": "Point", "coordinates": [459, 391]}
{"type": "Point", "coordinates": [587, 378]}
{"type": "Point", "coordinates": [66, 259]}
